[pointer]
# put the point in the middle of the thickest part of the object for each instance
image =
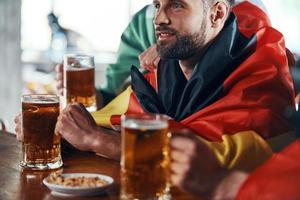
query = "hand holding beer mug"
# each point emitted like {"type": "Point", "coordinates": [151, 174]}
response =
{"type": "Point", "coordinates": [41, 146]}
{"type": "Point", "coordinates": [79, 80]}
{"type": "Point", "coordinates": [145, 157]}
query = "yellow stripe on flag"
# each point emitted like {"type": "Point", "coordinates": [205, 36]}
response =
{"type": "Point", "coordinates": [242, 151]}
{"type": "Point", "coordinates": [117, 106]}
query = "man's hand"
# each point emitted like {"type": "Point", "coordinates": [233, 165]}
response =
{"type": "Point", "coordinates": [149, 59]}
{"type": "Point", "coordinates": [229, 187]}
{"type": "Point", "coordinates": [59, 69]}
{"type": "Point", "coordinates": [18, 128]}
{"type": "Point", "coordinates": [194, 167]}
{"type": "Point", "coordinates": [76, 125]}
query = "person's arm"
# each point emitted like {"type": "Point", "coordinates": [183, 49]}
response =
{"type": "Point", "coordinates": [78, 128]}
{"type": "Point", "coordinates": [195, 169]}
{"type": "Point", "coordinates": [76, 125]}
{"type": "Point", "coordinates": [149, 59]}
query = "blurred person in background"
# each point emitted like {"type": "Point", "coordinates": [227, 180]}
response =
{"type": "Point", "coordinates": [64, 40]}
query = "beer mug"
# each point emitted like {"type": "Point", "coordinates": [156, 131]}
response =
{"type": "Point", "coordinates": [41, 146]}
{"type": "Point", "coordinates": [79, 80]}
{"type": "Point", "coordinates": [145, 157]}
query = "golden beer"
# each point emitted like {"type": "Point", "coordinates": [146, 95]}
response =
{"type": "Point", "coordinates": [145, 158]}
{"type": "Point", "coordinates": [79, 81]}
{"type": "Point", "coordinates": [41, 147]}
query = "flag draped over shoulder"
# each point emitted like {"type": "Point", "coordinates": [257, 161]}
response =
{"type": "Point", "coordinates": [277, 179]}
{"type": "Point", "coordinates": [235, 98]}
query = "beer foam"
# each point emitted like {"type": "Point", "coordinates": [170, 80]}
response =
{"type": "Point", "coordinates": [37, 99]}
{"type": "Point", "coordinates": [145, 124]}
{"type": "Point", "coordinates": [42, 101]}
{"type": "Point", "coordinates": [72, 68]}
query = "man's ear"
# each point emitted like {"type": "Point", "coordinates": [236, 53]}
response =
{"type": "Point", "coordinates": [219, 13]}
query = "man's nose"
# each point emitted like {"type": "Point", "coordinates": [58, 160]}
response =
{"type": "Point", "coordinates": [161, 17]}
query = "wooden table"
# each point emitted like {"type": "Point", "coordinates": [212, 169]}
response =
{"type": "Point", "coordinates": [18, 184]}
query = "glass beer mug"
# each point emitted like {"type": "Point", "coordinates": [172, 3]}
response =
{"type": "Point", "coordinates": [145, 157]}
{"type": "Point", "coordinates": [41, 146]}
{"type": "Point", "coordinates": [79, 80]}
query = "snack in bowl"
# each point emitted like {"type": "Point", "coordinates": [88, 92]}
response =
{"type": "Point", "coordinates": [77, 184]}
{"type": "Point", "coordinates": [80, 181]}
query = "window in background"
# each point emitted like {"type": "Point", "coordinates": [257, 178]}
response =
{"type": "Point", "coordinates": [136, 5]}
{"type": "Point", "coordinates": [98, 23]}
{"type": "Point", "coordinates": [102, 22]}
{"type": "Point", "coordinates": [34, 26]}
{"type": "Point", "coordinates": [91, 26]}
{"type": "Point", "coordinates": [285, 17]}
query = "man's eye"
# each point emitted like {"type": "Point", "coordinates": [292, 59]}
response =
{"type": "Point", "coordinates": [176, 5]}
{"type": "Point", "coordinates": [156, 5]}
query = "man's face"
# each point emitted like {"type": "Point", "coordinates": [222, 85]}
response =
{"type": "Point", "coordinates": [181, 27]}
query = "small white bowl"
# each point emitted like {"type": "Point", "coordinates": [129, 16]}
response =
{"type": "Point", "coordinates": [61, 190]}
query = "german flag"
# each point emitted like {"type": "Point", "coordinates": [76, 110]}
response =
{"type": "Point", "coordinates": [277, 179]}
{"type": "Point", "coordinates": [281, 173]}
{"type": "Point", "coordinates": [235, 99]}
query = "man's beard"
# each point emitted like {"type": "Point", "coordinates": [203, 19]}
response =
{"type": "Point", "coordinates": [185, 46]}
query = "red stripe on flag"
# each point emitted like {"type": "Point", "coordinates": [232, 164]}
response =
{"type": "Point", "coordinates": [133, 108]}
{"type": "Point", "coordinates": [250, 18]}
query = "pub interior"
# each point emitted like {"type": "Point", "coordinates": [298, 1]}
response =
{"type": "Point", "coordinates": [141, 99]}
